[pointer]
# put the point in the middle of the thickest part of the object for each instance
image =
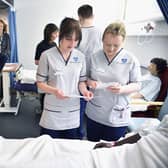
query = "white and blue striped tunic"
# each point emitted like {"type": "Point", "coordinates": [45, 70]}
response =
{"type": "Point", "coordinates": [61, 114]}
{"type": "Point", "coordinates": [106, 107]}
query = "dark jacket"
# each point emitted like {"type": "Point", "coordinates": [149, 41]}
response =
{"type": "Point", "coordinates": [41, 47]}
{"type": "Point", "coordinates": [5, 45]}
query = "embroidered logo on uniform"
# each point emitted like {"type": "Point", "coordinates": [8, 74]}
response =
{"type": "Point", "coordinates": [75, 59]}
{"type": "Point", "coordinates": [123, 60]}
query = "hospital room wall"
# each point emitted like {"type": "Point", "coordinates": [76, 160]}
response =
{"type": "Point", "coordinates": [4, 15]}
{"type": "Point", "coordinates": [147, 47]}
{"type": "Point", "coordinates": [32, 16]}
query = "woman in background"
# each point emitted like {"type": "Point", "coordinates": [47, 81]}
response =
{"type": "Point", "coordinates": [50, 34]}
{"type": "Point", "coordinates": [61, 75]}
{"type": "Point", "coordinates": [4, 44]}
{"type": "Point", "coordinates": [4, 49]}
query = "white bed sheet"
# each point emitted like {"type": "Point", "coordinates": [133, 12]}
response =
{"type": "Point", "coordinates": [44, 152]}
{"type": "Point", "coordinates": [27, 76]}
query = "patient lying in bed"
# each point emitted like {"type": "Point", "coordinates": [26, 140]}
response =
{"type": "Point", "coordinates": [149, 151]}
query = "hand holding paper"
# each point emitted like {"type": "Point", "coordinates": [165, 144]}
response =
{"type": "Point", "coordinates": [60, 94]}
{"type": "Point", "coordinates": [92, 84]}
{"type": "Point", "coordinates": [88, 95]}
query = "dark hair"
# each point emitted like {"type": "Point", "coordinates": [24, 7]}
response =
{"type": "Point", "coordinates": [4, 26]}
{"type": "Point", "coordinates": [161, 64]}
{"type": "Point", "coordinates": [67, 27]}
{"type": "Point", "coordinates": [48, 30]}
{"type": "Point", "coordinates": [85, 11]}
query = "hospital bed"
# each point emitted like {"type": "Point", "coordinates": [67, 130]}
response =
{"type": "Point", "coordinates": [25, 82]}
{"type": "Point", "coordinates": [25, 86]}
{"type": "Point", "coordinates": [22, 80]}
{"type": "Point", "coordinates": [45, 152]}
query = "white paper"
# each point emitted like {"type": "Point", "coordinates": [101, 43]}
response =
{"type": "Point", "coordinates": [76, 96]}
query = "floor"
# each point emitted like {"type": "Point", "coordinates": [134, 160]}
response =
{"type": "Point", "coordinates": [24, 124]}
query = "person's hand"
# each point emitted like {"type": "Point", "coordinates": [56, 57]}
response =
{"type": "Point", "coordinates": [104, 145]}
{"type": "Point", "coordinates": [60, 94]}
{"type": "Point", "coordinates": [115, 88]}
{"type": "Point", "coordinates": [92, 83]}
{"type": "Point", "coordinates": [88, 95]}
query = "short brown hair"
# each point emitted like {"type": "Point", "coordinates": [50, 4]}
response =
{"type": "Point", "coordinates": [85, 11]}
{"type": "Point", "coordinates": [116, 28]}
{"type": "Point", "coordinates": [68, 27]}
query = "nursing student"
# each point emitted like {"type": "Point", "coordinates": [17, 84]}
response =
{"type": "Point", "coordinates": [90, 43]}
{"type": "Point", "coordinates": [91, 35]}
{"type": "Point", "coordinates": [61, 74]}
{"type": "Point", "coordinates": [114, 74]}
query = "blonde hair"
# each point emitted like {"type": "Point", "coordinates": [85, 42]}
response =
{"type": "Point", "coordinates": [116, 28]}
{"type": "Point", "coordinates": [4, 26]}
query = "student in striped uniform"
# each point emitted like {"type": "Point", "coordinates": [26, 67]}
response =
{"type": "Point", "coordinates": [61, 75]}
{"type": "Point", "coordinates": [114, 74]}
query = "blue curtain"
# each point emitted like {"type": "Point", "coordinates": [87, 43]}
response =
{"type": "Point", "coordinates": [13, 37]}
{"type": "Point", "coordinates": [163, 4]}
{"type": "Point", "coordinates": [13, 41]}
